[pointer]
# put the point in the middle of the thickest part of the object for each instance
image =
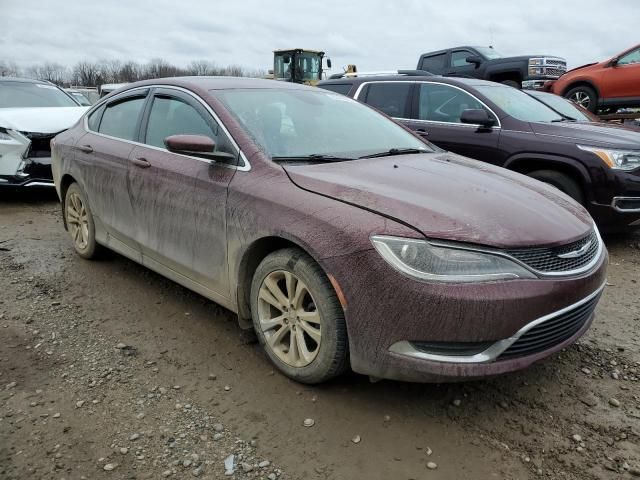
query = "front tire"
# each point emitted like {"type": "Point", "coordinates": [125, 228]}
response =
{"type": "Point", "coordinates": [584, 96]}
{"type": "Point", "coordinates": [298, 318]}
{"type": "Point", "coordinates": [561, 181]}
{"type": "Point", "coordinates": [512, 83]}
{"type": "Point", "coordinates": [79, 221]}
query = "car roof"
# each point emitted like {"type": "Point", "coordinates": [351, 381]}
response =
{"type": "Point", "coordinates": [472, 82]}
{"type": "Point", "coordinates": [220, 83]}
{"type": "Point", "coordinates": [23, 80]}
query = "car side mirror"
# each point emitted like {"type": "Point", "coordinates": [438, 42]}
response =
{"type": "Point", "coordinates": [613, 62]}
{"type": "Point", "coordinates": [328, 63]}
{"type": "Point", "coordinates": [195, 146]}
{"type": "Point", "coordinates": [477, 116]}
{"type": "Point", "coordinates": [475, 59]}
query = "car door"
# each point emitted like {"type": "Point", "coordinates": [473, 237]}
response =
{"type": "Point", "coordinates": [622, 80]}
{"type": "Point", "coordinates": [102, 155]}
{"type": "Point", "coordinates": [436, 116]}
{"type": "Point", "coordinates": [179, 201]}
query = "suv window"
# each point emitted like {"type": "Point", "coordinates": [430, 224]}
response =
{"type": "Point", "coordinates": [631, 57]}
{"type": "Point", "coordinates": [389, 97]}
{"type": "Point", "coordinates": [434, 63]}
{"type": "Point", "coordinates": [173, 116]}
{"type": "Point", "coordinates": [459, 58]}
{"type": "Point", "coordinates": [342, 88]}
{"type": "Point", "coordinates": [444, 103]}
{"type": "Point", "coordinates": [120, 119]}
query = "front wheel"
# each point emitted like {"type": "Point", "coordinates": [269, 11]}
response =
{"type": "Point", "coordinates": [584, 96]}
{"type": "Point", "coordinates": [298, 318]}
{"type": "Point", "coordinates": [561, 181]}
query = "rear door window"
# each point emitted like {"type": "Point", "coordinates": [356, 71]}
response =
{"type": "Point", "coordinates": [434, 63]}
{"type": "Point", "coordinates": [121, 118]}
{"type": "Point", "coordinates": [391, 98]}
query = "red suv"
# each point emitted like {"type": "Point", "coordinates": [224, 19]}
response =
{"type": "Point", "coordinates": [613, 83]}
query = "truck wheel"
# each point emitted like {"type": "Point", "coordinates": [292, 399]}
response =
{"type": "Point", "coordinates": [584, 96]}
{"type": "Point", "coordinates": [562, 182]}
{"type": "Point", "coordinates": [298, 318]}
{"type": "Point", "coordinates": [512, 83]}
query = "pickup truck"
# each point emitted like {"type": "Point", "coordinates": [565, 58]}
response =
{"type": "Point", "coordinates": [526, 71]}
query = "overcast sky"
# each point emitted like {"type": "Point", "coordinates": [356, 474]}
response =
{"type": "Point", "coordinates": [373, 34]}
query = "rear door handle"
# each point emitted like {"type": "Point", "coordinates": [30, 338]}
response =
{"type": "Point", "coordinates": [86, 148]}
{"type": "Point", "coordinates": [140, 162]}
{"type": "Point", "coordinates": [422, 132]}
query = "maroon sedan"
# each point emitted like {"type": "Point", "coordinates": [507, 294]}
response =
{"type": "Point", "coordinates": [342, 238]}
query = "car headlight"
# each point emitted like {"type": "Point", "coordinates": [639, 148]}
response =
{"type": "Point", "coordinates": [619, 159]}
{"type": "Point", "coordinates": [429, 262]}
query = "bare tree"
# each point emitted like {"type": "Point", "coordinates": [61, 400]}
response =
{"type": "Point", "coordinates": [49, 71]}
{"type": "Point", "coordinates": [202, 67]}
{"type": "Point", "coordinates": [86, 73]}
{"type": "Point", "coordinates": [9, 69]}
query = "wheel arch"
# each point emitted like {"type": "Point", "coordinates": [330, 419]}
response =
{"type": "Point", "coordinates": [529, 162]}
{"type": "Point", "coordinates": [251, 258]}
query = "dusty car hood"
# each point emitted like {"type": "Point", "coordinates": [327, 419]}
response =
{"type": "Point", "coordinates": [40, 120]}
{"type": "Point", "coordinates": [596, 134]}
{"type": "Point", "coordinates": [450, 197]}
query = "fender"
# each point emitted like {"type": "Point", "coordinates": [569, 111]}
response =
{"type": "Point", "coordinates": [528, 162]}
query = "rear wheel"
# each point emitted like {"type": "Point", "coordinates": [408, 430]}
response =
{"type": "Point", "coordinates": [298, 318]}
{"type": "Point", "coordinates": [561, 181]}
{"type": "Point", "coordinates": [584, 96]}
{"type": "Point", "coordinates": [79, 220]}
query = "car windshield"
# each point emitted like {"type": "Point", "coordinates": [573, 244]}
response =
{"type": "Point", "coordinates": [518, 104]}
{"type": "Point", "coordinates": [301, 123]}
{"type": "Point", "coordinates": [26, 94]}
{"type": "Point", "coordinates": [562, 106]}
{"type": "Point", "coordinates": [489, 52]}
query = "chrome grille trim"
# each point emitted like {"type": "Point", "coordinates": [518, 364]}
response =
{"type": "Point", "coordinates": [491, 354]}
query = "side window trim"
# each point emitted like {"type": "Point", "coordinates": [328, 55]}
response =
{"type": "Point", "coordinates": [243, 162]}
{"type": "Point", "coordinates": [417, 99]}
{"type": "Point", "coordinates": [144, 94]}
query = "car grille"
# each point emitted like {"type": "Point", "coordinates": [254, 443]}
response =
{"type": "Point", "coordinates": [547, 260]}
{"type": "Point", "coordinates": [552, 332]}
{"type": "Point", "coordinates": [40, 146]}
{"type": "Point", "coordinates": [555, 71]}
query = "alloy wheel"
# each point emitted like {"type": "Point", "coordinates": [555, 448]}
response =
{"type": "Point", "coordinates": [289, 319]}
{"type": "Point", "coordinates": [78, 221]}
{"type": "Point", "coordinates": [581, 98]}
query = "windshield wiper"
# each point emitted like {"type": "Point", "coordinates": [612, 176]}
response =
{"type": "Point", "coordinates": [396, 151]}
{"type": "Point", "coordinates": [565, 118]}
{"type": "Point", "coordinates": [314, 157]}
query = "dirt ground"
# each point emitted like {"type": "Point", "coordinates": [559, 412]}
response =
{"type": "Point", "coordinates": [108, 370]}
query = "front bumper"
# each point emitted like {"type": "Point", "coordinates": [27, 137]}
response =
{"type": "Point", "coordinates": [618, 206]}
{"type": "Point", "coordinates": [25, 159]}
{"type": "Point", "coordinates": [383, 308]}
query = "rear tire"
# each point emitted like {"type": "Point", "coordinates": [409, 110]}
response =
{"type": "Point", "coordinates": [298, 318]}
{"type": "Point", "coordinates": [79, 221]}
{"type": "Point", "coordinates": [561, 181]}
{"type": "Point", "coordinates": [584, 96]}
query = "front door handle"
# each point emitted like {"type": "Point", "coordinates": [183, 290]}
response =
{"type": "Point", "coordinates": [422, 132]}
{"type": "Point", "coordinates": [86, 148]}
{"type": "Point", "coordinates": [140, 162]}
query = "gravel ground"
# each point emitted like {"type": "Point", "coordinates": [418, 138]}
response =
{"type": "Point", "coordinates": [108, 370]}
